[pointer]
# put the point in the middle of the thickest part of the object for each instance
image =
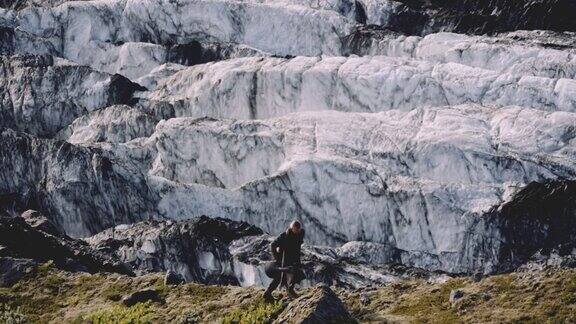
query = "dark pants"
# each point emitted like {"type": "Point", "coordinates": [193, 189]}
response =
{"type": "Point", "coordinates": [288, 280]}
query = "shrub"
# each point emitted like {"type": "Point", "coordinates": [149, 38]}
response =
{"type": "Point", "coordinates": [189, 317]}
{"type": "Point", "coordinates": [256, 312]}
{"type": "Point", "coordinates": [9, 315]}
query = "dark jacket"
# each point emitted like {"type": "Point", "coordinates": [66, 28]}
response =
{"type": "Point", "coordinates": [290, 245]}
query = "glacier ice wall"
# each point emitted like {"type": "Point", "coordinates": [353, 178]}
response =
{"type": "Point", "coordinates": [262, 88]}
{"type": "Point", "coordinates": [420, 131]}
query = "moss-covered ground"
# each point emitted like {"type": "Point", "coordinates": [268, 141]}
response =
{"type": "Point", "coordinates": [50, 295]}
{"type": "Point", "coordinates": [529, 297]}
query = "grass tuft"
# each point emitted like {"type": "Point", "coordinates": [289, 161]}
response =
{"type": "Point", "coordinates": [139, 313]}
{"type": "Point", "coordinates": [9, 315]}
{"type": "Point", "coordinates": [258, 311]}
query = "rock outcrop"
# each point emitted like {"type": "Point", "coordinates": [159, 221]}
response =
{"type": "Point", "coordinates": [141, 296]}
{"type": "Point", "coordinates": [21, 241]}
{"type": "Point", "coordinates": [323, 265]}
{"type": "Point", "coordinates": [40, 222]}
{"type": "Point", "coordinates": [195, 249]}
{"type": "Point", "coordinates": [538, 220]}
{"type": "Point", "coordinates": [319, 305]}
{"type": "Point", "coordinates": [417, 17]}
{"type": "Point", "coordinates": [486, 16]}
{"type": "Point", "coordinates": [220, 251]}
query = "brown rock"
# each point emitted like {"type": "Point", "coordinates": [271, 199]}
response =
{"type": "Point", "coordinates": [319, 305]}
{"type": "Point", "coordinates": [141, 296]}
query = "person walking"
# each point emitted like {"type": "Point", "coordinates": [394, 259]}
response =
{"type": "Point", "coordinates": [286, 269]}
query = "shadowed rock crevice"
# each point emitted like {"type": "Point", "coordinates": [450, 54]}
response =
{"type": "Point", "coordinates": [539, 219]}
{"type": "Point", "coordinates": [480, 17]}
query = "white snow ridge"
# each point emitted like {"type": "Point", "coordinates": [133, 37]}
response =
{"type": "Point", "coordinates": [429, 147]}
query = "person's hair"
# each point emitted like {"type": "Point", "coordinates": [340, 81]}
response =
{"type": "Point", "coordinates": [296, 224]}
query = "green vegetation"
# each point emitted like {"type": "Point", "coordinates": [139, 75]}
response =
{"type": "Point", "coordinates": [256, 312]}
{"type": "Point", "coordinates": [530, 297]}
{"type": "Point", "coordinates": [434, 302]}
{"type": "Point", "coordinates": [49, 294]}
{"type": "Point", "coordinates": [139, 313]}
{"type": "Point", "coordinates": [53, 295]}
{"type": "Point", "coordinates": [189, 317]}
{"type": "Point", "coordinates": [200, 294]}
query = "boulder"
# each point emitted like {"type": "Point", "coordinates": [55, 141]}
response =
{"type": "Point", "coordinates": [40, 222]}
{"type": "Point", "coordinates": [141, 296]}
{"type": "Point", "coordinates": [477, 276]}
{"type": "Point", "coordinates": [20, 240]}
{"type": "Point", "coordinates": [319, 305]}
{"type": "Point", "coordinates": [13, 269]}
{"type": "Point", "coordinates": [173, 278]}
{"type": "Point", "coordinates": [195, 249]}
{"type": "Point", "coordinates": [455, 295]}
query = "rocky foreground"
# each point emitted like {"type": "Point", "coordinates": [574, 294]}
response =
{"type": "Point", "coordinates": [49, 295]}
{"type": "Point", "coordinates": [139, 273]}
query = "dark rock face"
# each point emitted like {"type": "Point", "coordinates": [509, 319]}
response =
{"type": "Point", "coordinates": [480, 17]}
{"type": "Point", "coordinates": [121, 89]}
{"type": "Point", "coordinates": [361, 39]}
{"type": "Point", "coordinates": [79, 189]}
{"type": "Point", "coordinates": [360, 13]}
{"type": "Point", "coordinates": [195, 249]}
{"type": "Point", "coordinates": [6, 40]}
{"type": "Point", "coordinates": [194, 52]}
{"type": "Point", "coordinates": [21, 4]}
{"type": "Point", "coordinates": [540, 218]}
{"type": "Point", "coordinates": [12, 269]}
{"type": "Point", "coordinates": [13, 4]}
{"type": "Point", "coordinates": [191, 54]}
{"type": "Point", "coordinates": [173, 278]}
{"type": "Point", "coordinates": [20, 240]}
{"type": "Point", "coordinates": [320, 305]}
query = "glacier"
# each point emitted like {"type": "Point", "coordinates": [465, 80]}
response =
{"type": "Point", "coordinates": [259, 88]}
{"type": "Point", "coordinates": [395, 131]}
